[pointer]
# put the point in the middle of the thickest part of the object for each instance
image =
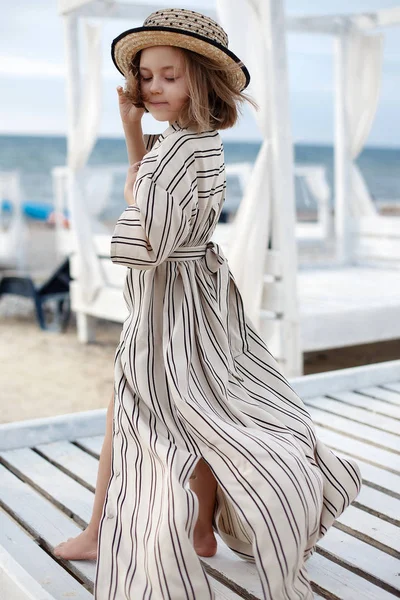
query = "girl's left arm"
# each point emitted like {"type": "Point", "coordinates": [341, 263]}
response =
{"type": "Point", "coordinates": [165, 198]}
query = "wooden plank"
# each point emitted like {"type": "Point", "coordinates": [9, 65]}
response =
{"type": "Point", "coordinates": [380, 504]}
{"type": "Point", "coordinates": [346, 379]}
{"type": "Point", "coordinates": [342, 583]}
{"type": "Point", "coordinates": [47, 524]}
{"type": "Point", "coordinates": [73, 461]}
{"type": "Point", "coordinates": [360, 556]}
{"type": "Point", "coordinates": [35, 561]}
{"type": "Point", "coordinates": [92, 444]}
{"type": "Point", "coordinates": [368, 403]}
{"type": "Point", "coordinates": [359, 415]}
{"type": "Point", "coordinates": [234, 572]}
{"type": "Point", "coordinates": [357, 449]}
{"type": "Point", "coordinates": [387, 395]}
{"type": "Point", "coordinates": [375, 437]}
{"type": "Point", "coordinates": [69, 495]}
{"type": "Point", "coordinates": [394, 387]}
{"type": "Point", "coordinates": [22, 434]}
{"type": "Point", "coordinates": [367, 527]}
{"type": "Point", "coordinates": [222, 592]}
{"type": "Point", "coordinates": [16, 583]}
{"type": "Point", "coordinates": [324, 576]}
{"type": "Point", "coordinates": [377, 478]}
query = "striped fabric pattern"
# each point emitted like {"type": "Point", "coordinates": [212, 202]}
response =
{"type": "Point", "coordinates": [193, 379]}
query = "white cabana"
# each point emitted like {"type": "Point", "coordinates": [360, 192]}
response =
{"type": "Point", "coordinates": [263, 256]}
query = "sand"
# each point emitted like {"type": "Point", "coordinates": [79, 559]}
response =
{"type": "Point", "coordinates": [44, 373]}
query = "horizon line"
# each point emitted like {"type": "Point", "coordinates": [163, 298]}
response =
{"type": "Point", "coordinates": [233, 140]}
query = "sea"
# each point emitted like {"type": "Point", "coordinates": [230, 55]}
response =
{"type": "Point", "coordinates": [35, 156]}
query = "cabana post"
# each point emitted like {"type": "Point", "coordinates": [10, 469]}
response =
{"type": "Point", "coordinates": [342, 151]}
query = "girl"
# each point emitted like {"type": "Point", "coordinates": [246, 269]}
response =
{"type": "Point", "coordinates": [198, 398]}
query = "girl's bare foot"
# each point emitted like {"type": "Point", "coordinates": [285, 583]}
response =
{"type": "Point", "coordinates": [204, 541]}
{"type": "Point", "coordinates": [81, 547]}
{"type": "Point", "coordinates": [84, 545]}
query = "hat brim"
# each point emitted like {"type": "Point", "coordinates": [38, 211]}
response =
{"type": "Point", "coordinates": [130, 42]}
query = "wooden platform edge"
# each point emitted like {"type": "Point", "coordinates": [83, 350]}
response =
{"type": "Point", "coordinates": [23, 434]}
{"type": "Point", "coordinates": [15, 582]}
{"type": "Point", "coordinates": [29, 433]}
{"type": "Point", "coordinates": [319, 384]}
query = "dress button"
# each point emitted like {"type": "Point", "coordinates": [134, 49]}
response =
{"type": "Point", "coordinates": [110, 515]}
{"type": "Point", "coordinates": [117, 473]}
{"type": "Point", "coordinates": [116, 431]}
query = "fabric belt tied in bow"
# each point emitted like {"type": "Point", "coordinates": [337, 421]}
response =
{"type": "Point", "coordinates": [228, 296]}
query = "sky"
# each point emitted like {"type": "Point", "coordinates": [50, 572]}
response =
{"type": "Point", "coordinates": [32, 80]}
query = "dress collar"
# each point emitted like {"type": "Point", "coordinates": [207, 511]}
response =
{"type": "Point", "coordinates": [170, 129]}
{"type": "Point", "coordinates": [173, 128]}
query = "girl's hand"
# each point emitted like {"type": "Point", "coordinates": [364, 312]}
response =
{"type": "Point", "coordinates": [129, 112]}
{"type": "Point", "coordinates": [130, 182]}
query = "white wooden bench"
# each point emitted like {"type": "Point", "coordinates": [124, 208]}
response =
{"type": "Point", "coordinates": [48, 473]}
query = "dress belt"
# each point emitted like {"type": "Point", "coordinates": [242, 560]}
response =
{"type": "Point", "coordinates": [188, 253]}
{"type": "Point", "coordinates": [229, 298]}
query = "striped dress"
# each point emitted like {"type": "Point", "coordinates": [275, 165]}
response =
{"type": "Point", "coordinates": [193, 379]}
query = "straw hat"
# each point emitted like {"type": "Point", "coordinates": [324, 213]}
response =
{"type": "Point", "coordinates": [185, 29]}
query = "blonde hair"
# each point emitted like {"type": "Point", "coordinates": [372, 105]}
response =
{"type": "Point", "coordinates": [212, 103]}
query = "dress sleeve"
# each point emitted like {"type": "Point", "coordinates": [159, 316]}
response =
{"type": "Point", "coordinates": [165, 193]}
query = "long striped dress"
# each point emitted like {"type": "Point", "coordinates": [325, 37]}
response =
{"type": "Point", "coordinates": [193, 379]}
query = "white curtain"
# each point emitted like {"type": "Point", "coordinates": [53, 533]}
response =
{"type": "Point", "coordinates": [363, 79]}
{"type": "Point", "coordinates": [251, 227]}
{"type": "Point", "coordinates": [80, 144]}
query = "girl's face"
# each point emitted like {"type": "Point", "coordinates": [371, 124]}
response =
{"type": "Point", "coordinates": [163, 82]}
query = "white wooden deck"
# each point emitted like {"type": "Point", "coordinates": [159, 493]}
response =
{"type": "Point", "coordinates": [48, 472]}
